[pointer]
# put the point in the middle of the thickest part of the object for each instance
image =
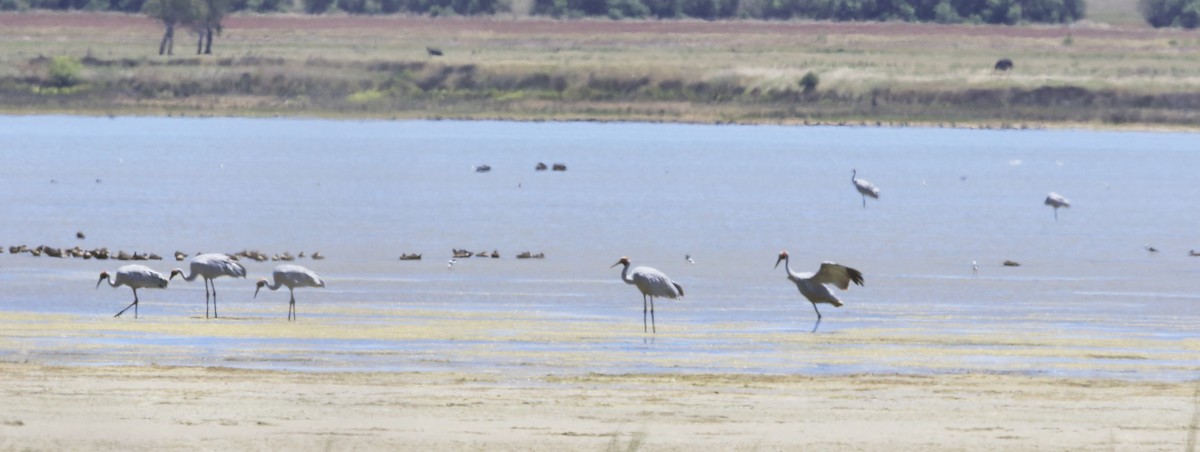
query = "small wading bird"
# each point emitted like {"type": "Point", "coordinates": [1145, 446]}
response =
{"type": "Point", "coordinates": [652, 283]}
{"type": "Point", "coordinates": [292, 276]}
{"type": "Point", "coordinates": [136, 277]}
{"type": "Point", "coordinates": [1056, 200]}
{"type": "Point", "coordinates": [211, 266]}
{"type": "Point", "coordinates": [864, 188]}
{"type": "Point", "coordinates": [689, 259]}
{"type": "Point", "coordinates": [812, 285]}
{"type": "Point", "coordinates": [1151, 248]}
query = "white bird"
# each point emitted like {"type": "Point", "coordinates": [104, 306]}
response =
{"type": "Point", "coordinates": [1056, 200]}
{"type": "Point", "coordinates": [450, 264]}
{"type": "Point", "coordinates": [292, 276]}
{"type": "Point", "coordinates": [136, 277]}
{"type": "Point", "coordinates": [688, 257]}
{"type": "Point", "coordinates": [211, 266]}
{"type": "Point", "coordinates": [864, 188]}
{"type": "Point", "coordinates": [652, 283]}
{"type": "Point", "coordinates": [812, 285]}
{"type": "Point", "coordinates": [974, 267]}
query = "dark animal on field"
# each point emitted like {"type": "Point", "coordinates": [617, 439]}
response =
{"type": "Point", "coordinates": [434, 51]}
{"type": "Point", "coordinates": [1004, 64]}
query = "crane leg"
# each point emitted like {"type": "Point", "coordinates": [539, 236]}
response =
{"type": "Point", "coordinates": [643, 313]}
{"type": "Point", "coordinates": [214, 287]}
{"type": "Point", "coordinates": [653, 327]}
{"type": "Point", "coordinates": [131, 305]}
{"type": "Point", "coordinates": [206, 298]}
{"type": "Point", "coordinates": [292, 307]}
{"type": "Point", "coordinates": [1055, 214]}
{"type": "Point", "coordinates": [818, 324]}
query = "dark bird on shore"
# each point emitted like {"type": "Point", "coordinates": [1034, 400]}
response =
{"type": "Point", "coordinates": [433, 51]}
{"type": "Point", "coordinates": [1012, 264]}
{"type": "Point", "coordinates": [136, 277]}
{"type": "Point", "coordinates": [1151, 248]}
{"type": "Point", "coordinates": [813, 285]}
{"type": "Point", "coordinates": [652, 283]}
{"type": "Point", "coordinates": [1003, 64]}
{"type": "Point", "coordinates": [79, 235]}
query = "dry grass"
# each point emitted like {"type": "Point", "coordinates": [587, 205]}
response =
{"type": "Point", "coordinates": [663, 71]}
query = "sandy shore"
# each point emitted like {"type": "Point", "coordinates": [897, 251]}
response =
{"type": "Point", "coordinates": [168, 408]}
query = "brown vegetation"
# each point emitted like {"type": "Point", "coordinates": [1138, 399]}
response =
{"type": "Point", "coordinates": [627, 70]}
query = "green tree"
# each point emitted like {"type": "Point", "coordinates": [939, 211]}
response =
{"type": "Point", "coordinates": [65, 71]}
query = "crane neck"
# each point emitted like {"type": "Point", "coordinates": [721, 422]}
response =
{"type": "Point", "coordinates": [275, 285]}
{"type": "Point", "coordinates": [191, 277]}
{"type": "Point", "coordinates": [787, 266]}
{"type": "Point", "coordinates": [625, 275]}
{"type": "Point", "coordinates": [111, 281]}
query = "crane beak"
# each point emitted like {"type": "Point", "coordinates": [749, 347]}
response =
{"type": "Point", "coordinates": [256, 289]}
{"type": "Point", "coordinates": [614, 265]}
{"type": "Point", "coordinates": [777, 261]}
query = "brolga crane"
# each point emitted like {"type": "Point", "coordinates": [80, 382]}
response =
{"type": "Point", "coordinates": [652, 283]}
{"type": "Point", "coordinates": [292, 276]}
{"type": "Point", "coordinates": [812, 285]}
{"type": "Point", "coordinates": [136, 277]}
{"type": "Point", "coordinates": [864, 188]}
{"type": "Point", "coordinates": [1056, 200]}
{"type": "Point", "coordinates": [211, 266]}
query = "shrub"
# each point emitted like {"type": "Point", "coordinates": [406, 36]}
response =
{"type": "Point", "coordinates": [809, 82]}
{"type": "Point", "coordinates": [65, 71]}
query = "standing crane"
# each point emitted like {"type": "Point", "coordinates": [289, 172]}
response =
{"type": "Point", "coordinates": [812, 285]}
{"type": "Point", "coordinates": [864, 187]}
{"type": "Point", "coordinates": [1056, 200]}
{"type": "Point", "coordinates": [211, 266]}
{"type": "Point", "coordinates": [652, 283]}
{"type": "Point", "coordinates": [292, 276]}
{"type": "Point", "coordinates": [136, 277]}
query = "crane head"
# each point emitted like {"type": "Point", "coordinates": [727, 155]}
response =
{"type": "Point", "coordinates": [176, 272]}
{"type": "Point", "coordinates": [103, 276]}
{"type": "Point", "coordinates": [623, 261]}
{"type": "Point", "coordinates": [260, 284]}
{"type": "Point", "coordinates": [783, 255]}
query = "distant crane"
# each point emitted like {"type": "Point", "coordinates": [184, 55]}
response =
{"type": "Point", "coordinates": [211, 266]}
{"type": "Point", "coordinates": [864, 188]}
{"type": "Point", "coordinates": [292, 276]}
{"type": "Point", "coordinates": [1056, 200]}
{"type": "Point", "coordinates": [1151, 248]}
{"type": "Point", "coordinates": [136, 277]}
{"type": "Point", "coordinates": [689, 259]}
{"type": "Point", "coordinates": [812, 285]}
{"type": "Point", "coordinates": [652, 283]}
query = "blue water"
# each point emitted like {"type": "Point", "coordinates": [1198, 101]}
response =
{"type": "Point", "coordinates": [364, 192]}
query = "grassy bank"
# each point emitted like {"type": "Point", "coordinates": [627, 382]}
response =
{"type": "Point", "coordinates": [743, 72]}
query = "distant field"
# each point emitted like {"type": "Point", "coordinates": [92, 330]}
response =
{"type": "Point", "coordinates": [736, 71]}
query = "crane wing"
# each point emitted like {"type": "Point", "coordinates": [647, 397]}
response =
{"type": "Point", "coordinates": [838, 275]}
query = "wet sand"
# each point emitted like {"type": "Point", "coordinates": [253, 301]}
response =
{"type": "Point", "coordinates": [552, 401]}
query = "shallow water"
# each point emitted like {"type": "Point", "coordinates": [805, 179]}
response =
{"type": "Point", "coordinates": [732, 197]}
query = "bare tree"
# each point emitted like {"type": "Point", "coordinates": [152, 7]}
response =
{"type": "Point", "coordinates": [208, 21]}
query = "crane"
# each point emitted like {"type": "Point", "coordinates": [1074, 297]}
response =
{"type": "Point", "coordinates": [211, 266]}
{"type": "Point", "coordinates": [1056, 200]}
{"type": "Point", "coordinates": [652, 283]}
{"type": "Point", "coordinates": [136, 277]}
{"type": "Point", "coordinates": [864, 188]}
{"type": "Point", "coordinates": [812, 285]}
{"type": "Point", "coordinates": [292, 276]}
